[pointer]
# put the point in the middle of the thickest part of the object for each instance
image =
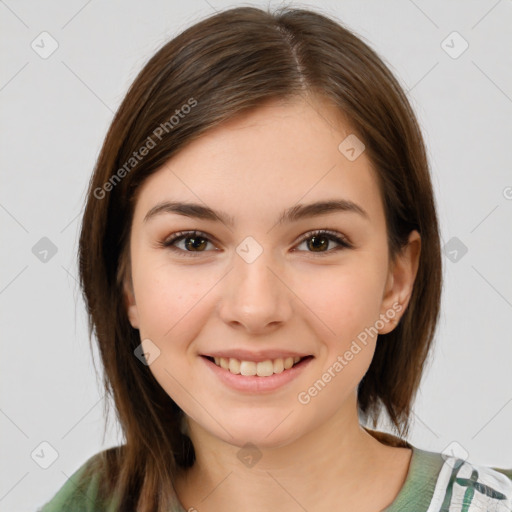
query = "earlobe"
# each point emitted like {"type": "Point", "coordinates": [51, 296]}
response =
{"type": "Point", "coordinates": [400, 282]}
{"type": "Point", "coordinates": [131, 306]}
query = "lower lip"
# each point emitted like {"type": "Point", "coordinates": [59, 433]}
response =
{"type": "Point", "coordinates": [253, 383]}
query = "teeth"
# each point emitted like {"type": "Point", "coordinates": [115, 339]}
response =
{"type": "Point", "coordinates": [251, 368]}
{"type": "Point", "coordinates": [265, 368]}
{"type": "Point", "coordinates": [278, 366]}
{"type": "Point", "coordinates": [248, 368]}
{"type": "Point", "coordinates": [234, 366]}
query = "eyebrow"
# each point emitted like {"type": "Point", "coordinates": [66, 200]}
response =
{"type": "Point", "coordinates": [293, 214]}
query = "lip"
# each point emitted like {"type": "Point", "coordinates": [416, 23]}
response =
{"type": "Point", "coordinates": [255, 384]}
{"type": "Point", "coordinates": [246, 355]}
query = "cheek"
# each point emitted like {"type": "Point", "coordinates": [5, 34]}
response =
{"type": "Point", "coordinates": [346, 299]}
{"type": "Point", "coordinates": [168, 299]}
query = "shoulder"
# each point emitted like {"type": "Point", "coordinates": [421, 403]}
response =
{"type": "Point", "coordinates": [80, 492]}
{"type": "Point", "coordinates": [453, 484]}
{"type": "Point", "coordinates": [465, 485]}
{"type": "Point", "coordinates": [442, 482]}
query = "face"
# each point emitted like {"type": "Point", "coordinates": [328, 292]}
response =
{"type": "Point", "coordinates": [254, 278]}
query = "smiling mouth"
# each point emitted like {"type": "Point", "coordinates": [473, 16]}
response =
{"type": "Point", "coordinates": [260, 369]}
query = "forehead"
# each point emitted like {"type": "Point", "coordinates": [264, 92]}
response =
{"type": "Point", "coordinates": [273, 157]}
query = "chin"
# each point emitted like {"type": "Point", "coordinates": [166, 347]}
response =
{"type": "Point", "coordinates": [267, 430]}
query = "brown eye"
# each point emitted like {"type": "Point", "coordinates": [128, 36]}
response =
{"type": "Point", "coordinates": [319, 241]}
{"type": "Point", "coordinates": [194, 243]}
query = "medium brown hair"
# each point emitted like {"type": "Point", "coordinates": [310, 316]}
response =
{"type": "Point", "coordinates": [230, 63]}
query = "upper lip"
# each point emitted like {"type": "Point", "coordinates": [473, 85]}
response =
{"type": "Point", "coordinates": [249, 355]}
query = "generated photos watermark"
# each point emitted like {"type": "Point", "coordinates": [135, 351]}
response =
{"type": "Point", "coordinates": [342, 360]}
{"type": "Point", "coordinates": [150, 143]}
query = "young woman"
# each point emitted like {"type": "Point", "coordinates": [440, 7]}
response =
{"type": "Point", "coordinates": [261, 263]}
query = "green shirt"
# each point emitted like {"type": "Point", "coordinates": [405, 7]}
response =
{"type": "Point", "coordinates": [434, 483]}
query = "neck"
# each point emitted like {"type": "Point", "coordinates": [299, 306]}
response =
{"type": "Point", "coordinates": [326, 466]}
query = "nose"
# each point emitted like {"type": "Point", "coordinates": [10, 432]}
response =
{"type": "Point", "coordinates": [255, 296]}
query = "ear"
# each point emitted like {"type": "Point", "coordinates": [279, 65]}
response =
{"type": "Point", "coordinates": [130, 304]}
{"type": "Point", "coordinates": [400, 281]}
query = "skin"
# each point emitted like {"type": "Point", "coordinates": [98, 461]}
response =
{"type": "Point", "coordinates": [315, 456]}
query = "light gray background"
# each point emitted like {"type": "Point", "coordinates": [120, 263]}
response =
{"type": "Point", "coordinates": [54, 115]}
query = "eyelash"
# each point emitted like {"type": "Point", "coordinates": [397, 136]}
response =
{"type": "Point", "coordinates": [330, 235]}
